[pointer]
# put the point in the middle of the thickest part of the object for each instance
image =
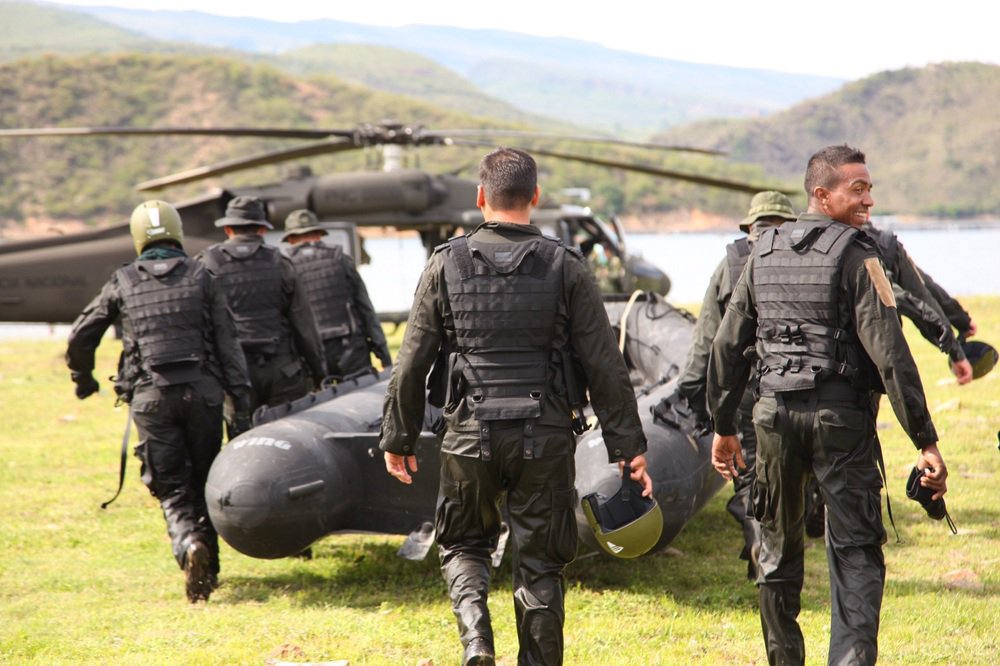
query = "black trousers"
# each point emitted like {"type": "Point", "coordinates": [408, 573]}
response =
{"type": "Point", "coordinates": [739, 504]}
{"type": "Point", "coordinates": [180, 433]}
{"type": "Point", "coordinates": [347, 355]}
{"type": "Point", "coordinates": [541, 496]}
{"type": "Point", "coordinates": [798, 434]}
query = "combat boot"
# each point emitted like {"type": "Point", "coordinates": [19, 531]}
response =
{"type": "Point", "coordinates": [478, 653]}
{"type": "Point", "coordinates": [197, 572]}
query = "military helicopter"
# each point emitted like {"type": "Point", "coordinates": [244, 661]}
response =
{"type": "Point", "coordinates": [312, 467]}
{"type": "Point", "coordinates": [52, 279]}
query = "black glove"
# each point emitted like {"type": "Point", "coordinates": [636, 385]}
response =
{"type": "Point", "coordinates": [86, 385]}
{"type": "Point", "coordinates": [239, 425]}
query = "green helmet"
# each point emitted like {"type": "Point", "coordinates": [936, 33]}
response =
{"type": "Point", "coordinates": [628, 524]}
{"type": "Point", "coordinates": [154, 221]}
{"type": "Point", "coordinates": [981, 356]}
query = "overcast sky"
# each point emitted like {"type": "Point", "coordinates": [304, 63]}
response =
{"type": "Point", "coordinates": [848, 38]}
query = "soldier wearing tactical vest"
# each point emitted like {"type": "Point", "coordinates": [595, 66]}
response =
{"type": "Point", "coordinates": [270, 306]}
{"type": "Point", "coordinates": [180, 354]}
{"type": "Point", "coordinates": [767, 209]}
{"type": "Point", "coordinates": [927, 304]}
{"type": "Point", "coordinates": [508, 306]}
{"type": "Point", "coordinates": [817, 305]}
{"type": "Point", "coordinates": [348, 323]}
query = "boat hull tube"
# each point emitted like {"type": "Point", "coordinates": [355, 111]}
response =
{"type": "Point", "coordinates": [313, 467]}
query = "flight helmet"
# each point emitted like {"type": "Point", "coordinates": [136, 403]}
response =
{"type": "Point", "coordinates": [154, 221]}
{"type": "Point", "coordinates": [627, 525]}
{"type": "Point", "coordinates": [981, 356]}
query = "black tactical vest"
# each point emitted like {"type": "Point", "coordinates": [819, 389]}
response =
{"type": "Point", "coordinates": [165, 328]}
{"type": "Point", "coordinates": [737, 254]}
{"type": "Point", "coordinates": [321, 268]}
{"type": "Point", "coordinates": [796, 278]}
{"type": "Point", "coordinates": [504, 298]}
{"type": "Point", "coordinates": [250, 275]}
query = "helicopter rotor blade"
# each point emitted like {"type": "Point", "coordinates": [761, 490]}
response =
{"type": "Point", "coordinates": [575, 138]}
{"type": "Point", "coordinates": [267, 132]}
{"type": "Point", "coordinates": [366, 134]}
{"type": "Point", "coordinates": [733, 185]}
{"type": "Point", "coordinates": [229, 166]}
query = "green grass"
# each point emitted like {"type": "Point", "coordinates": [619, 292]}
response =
{"type": "Point", "coordinates": [79, 585]}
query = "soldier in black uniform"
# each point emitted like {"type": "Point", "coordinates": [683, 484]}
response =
{"type": "Point", "coordinates": [508, 306]}
{"type": "Point", "coordinates": [767, 209]}
{"type": "Point", "coordinates": [270, 306]}
{"type": "Point", "coordinates": [816, 302]}
{"type": "Point", "coordinates": [348, 323]}
{"type": "Point", "coordinates": [928, 305]}
{"type": "Point", "coordinates": [180, 353]}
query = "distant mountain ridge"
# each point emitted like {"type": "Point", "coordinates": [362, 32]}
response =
{"type": "Point", "coordinates": [931, 135]}
{"type": "Point", "coordinates": [600, 88]}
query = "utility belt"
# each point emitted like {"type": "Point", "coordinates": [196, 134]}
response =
{"type": "Point", "coordinates": [831, 390]}
{"type": "Point", "coordinates": [260, 351]}
{"type": "Point", "coordinates": [486, 428]}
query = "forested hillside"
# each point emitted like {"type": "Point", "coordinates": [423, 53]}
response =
{"type": "Point", "coordinates": [932, 136]}
{"type": "Point", "coordinates": [90, 178]}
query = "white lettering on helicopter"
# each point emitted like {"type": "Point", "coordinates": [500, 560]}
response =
{"type": "Point", "coordinates": [262, 441]}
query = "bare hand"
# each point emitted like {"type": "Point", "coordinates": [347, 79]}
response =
{"type": "Point", "coordinates": [727, 455]}
{"type": "Point", "coordinates": [936, 478]}
{"type": "Point", "coordinates": [639, 473]}
{"type": "Point", "coordinates": [400, 466]}
{"type": "Point", "coordinates": [962, 371]}
{"type": "Point", "coordinates": [972, 329]}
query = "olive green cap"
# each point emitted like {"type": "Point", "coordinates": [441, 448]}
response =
{"type": "Point", "coordinates": [301, 221]}
{"type": "Point", "coordinates": [154, 221]}
{"type": "Point", "coordinates": [243, 211]}
{"type": "Point", "coordinates": [768, 204]}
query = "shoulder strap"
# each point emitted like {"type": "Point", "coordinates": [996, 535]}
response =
{"type": "Point", "coordinates": [463, 256]}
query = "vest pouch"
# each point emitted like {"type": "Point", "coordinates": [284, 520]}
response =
{"type": "Point", "coordinates": [504, 409]}
{"type": "Point", "coordinates": [177, 372]}
{"type": "Point", "coordinates": [335, 332]}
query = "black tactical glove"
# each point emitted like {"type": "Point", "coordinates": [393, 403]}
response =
{"type": "Point", "coordinates": [86, 385]}
{"type": "Point", "coordinates": [241, 402]}
{"type": "Point", "coordinates": [240, 424]}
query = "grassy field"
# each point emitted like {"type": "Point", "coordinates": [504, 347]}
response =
{"type": "Point", "coordinates": [79, 585]}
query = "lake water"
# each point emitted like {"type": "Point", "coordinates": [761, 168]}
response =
{"type": "Point", "coordinates": [965, 261]}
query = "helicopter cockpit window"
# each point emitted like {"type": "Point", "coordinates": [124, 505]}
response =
{"type": "Point", "coordinates": [601, 253]}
